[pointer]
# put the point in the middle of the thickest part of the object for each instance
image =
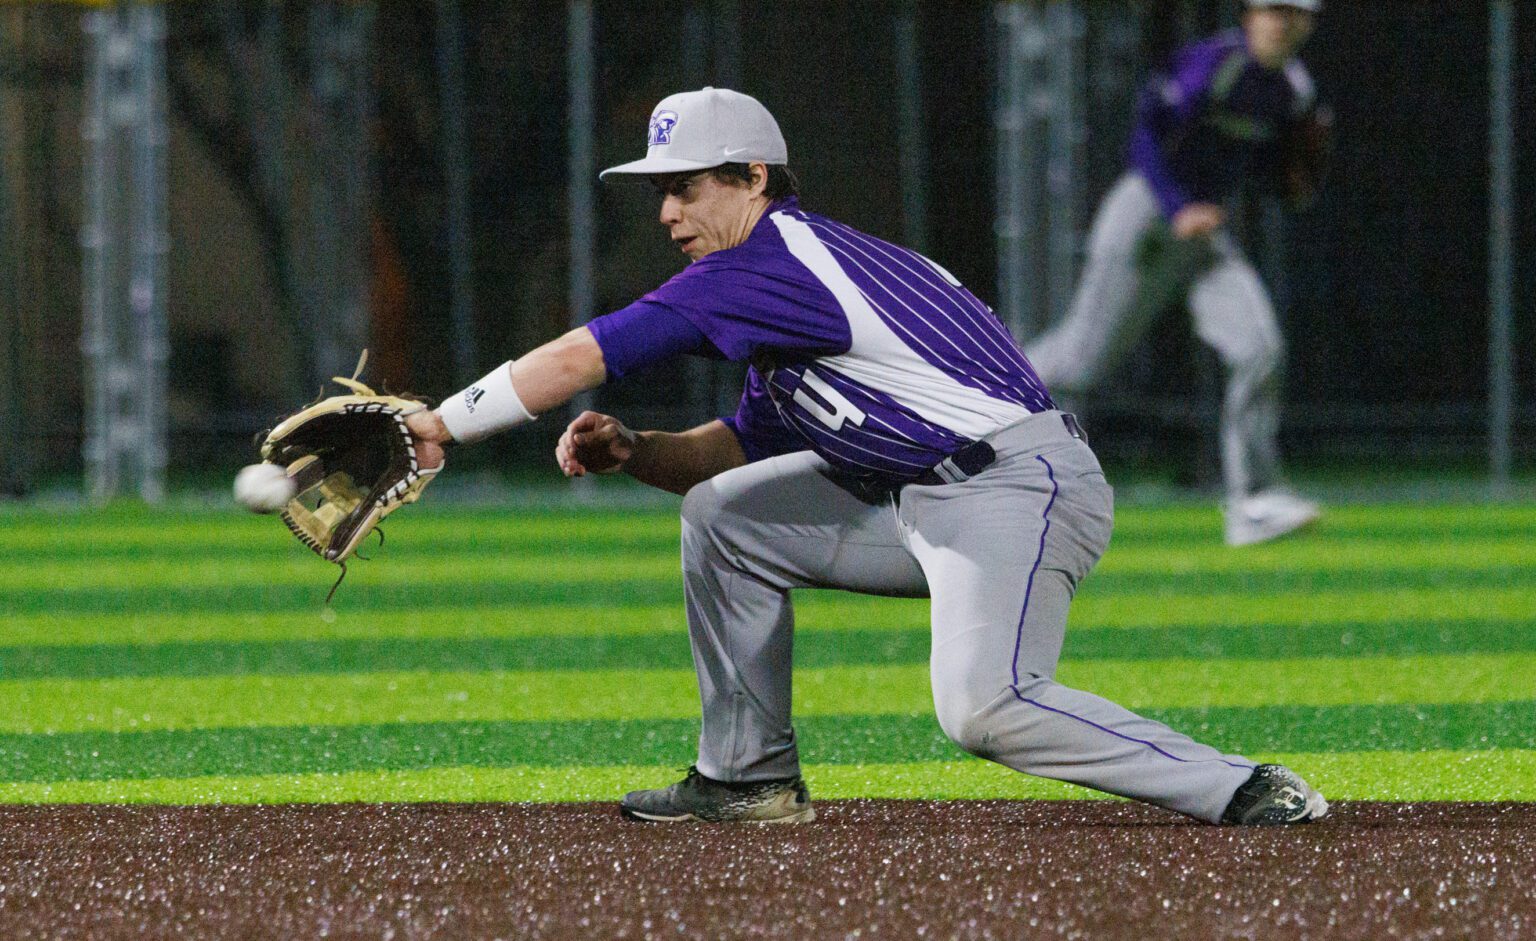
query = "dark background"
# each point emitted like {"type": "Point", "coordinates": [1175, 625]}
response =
{"type": "Point", "coordinates": [1382, 292]}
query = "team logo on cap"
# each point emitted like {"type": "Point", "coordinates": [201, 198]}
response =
{"type": "Point", "coordinates": [662, 123]}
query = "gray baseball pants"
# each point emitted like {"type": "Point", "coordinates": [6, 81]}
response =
{"type": "Point", "coordinates": [1232, 314]}
{"type": "Point", "coordinates": [999, 555]}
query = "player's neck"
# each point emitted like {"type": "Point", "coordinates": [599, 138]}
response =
{"type": "Point", "coordinates": [754, 214]}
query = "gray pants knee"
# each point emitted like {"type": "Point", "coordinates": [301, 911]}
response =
{"type": "Point", "coordinates": [999, 555]}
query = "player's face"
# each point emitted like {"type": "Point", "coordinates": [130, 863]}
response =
{"type": "Point", "coordinates": [702, 214]}
{"type": "Point", "coordinates": [1275, 33]}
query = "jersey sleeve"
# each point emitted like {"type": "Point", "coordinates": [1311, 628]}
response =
{"type": "Point", "coordinates": [749, 300]}
{"type": "Point", "coordinates": [759, 428]}
{"type": "Point", "coordinates": [1169, 103]}
{"type": "Point", "coordinates": [642, 334]}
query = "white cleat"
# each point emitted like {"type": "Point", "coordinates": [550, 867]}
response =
{"type": "Point", "coordinates": [1274, 795]}
{"type": "Point", "coordinates": [1268, 515]}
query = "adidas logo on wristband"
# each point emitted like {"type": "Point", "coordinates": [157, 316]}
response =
{"type": "Point", "coordinates": [484, 408]}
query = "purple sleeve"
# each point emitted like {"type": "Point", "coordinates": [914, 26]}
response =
{"type": "Point", "coordinates": [642, 334]}
{"type": "Point", "coordinates": [756, 299]}
{"type": "Point", "coordinates": [758, 427]}
{"type": "Point", "coordinates": [1166, 106]}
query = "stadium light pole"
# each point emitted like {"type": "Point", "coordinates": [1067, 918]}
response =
{"type": "Point", "coordinates": [1501, 199]}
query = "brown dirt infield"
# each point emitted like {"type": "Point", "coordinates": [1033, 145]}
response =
{"type": "Point", "coordinates": [866, 869]}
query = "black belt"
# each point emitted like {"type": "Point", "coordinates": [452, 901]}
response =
{"type": "Point", "coordinates": [978, 456]}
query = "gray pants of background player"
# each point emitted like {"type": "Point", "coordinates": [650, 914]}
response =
{"type": "Point", "coordinates": [999, 554]}
{"type": "Point", "coordinates": [1232, 314]}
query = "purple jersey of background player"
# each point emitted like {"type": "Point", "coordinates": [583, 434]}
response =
{"type": "Point", "coordinates": [1216, 118]}
{"type": "Point", "coordinates": [863, 351]}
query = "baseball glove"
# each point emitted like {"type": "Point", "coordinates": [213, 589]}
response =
{"type": "Point", "coordinates": [353, 462]}
{"type": "Point", "coordinates": [1308, 151]}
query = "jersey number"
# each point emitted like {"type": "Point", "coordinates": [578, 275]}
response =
{"type": "Point", "coordinates": [842, 410]}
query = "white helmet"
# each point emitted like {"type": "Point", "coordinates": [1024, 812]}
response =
{"type": "Point", "coordinates": [1311, 6]}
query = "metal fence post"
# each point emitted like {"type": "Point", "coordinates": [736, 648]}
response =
{"type": "Point", "coordinates": [455, 156]}
{"type": "Point", "coordinates": [1501, 238]}
{"type": "Point", "coordinates": [124, 245]}
{"type": "Point", "coordinates": [580, 70]}
{"type": "Point", "coordinates": [13, 464]}
{"type": "Point", "coordinates": [913, 153]}
{"type": "Point", "coordinates": [1017, 291]}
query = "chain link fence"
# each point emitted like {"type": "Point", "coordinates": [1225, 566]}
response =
{"type": "Point", "coordinates": [398, 175]}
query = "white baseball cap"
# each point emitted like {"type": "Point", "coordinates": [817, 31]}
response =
{"type": "Point", "coordinates": [696, 130]}
{"type": "Point", "coordinates": [1310, 6]}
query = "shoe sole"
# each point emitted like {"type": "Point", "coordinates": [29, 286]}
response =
{"type": "Point", "coordinates": [1294, 524]}
{"type": "Point", "coordinates": [805, 816]}
{"type": "Point", "coordinates": [1317, 808]}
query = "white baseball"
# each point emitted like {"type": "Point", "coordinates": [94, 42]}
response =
{"type": "Point", "coordinates": [263, 488]}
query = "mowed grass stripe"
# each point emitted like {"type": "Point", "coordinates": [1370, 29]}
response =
{"type": "Point", "coordinates": [1405, 605]}
{"type": "Point", "coordinates": [669, 649]}
{"type": "Point", "coordinates": [118, 705]}
{"type": "Point", "coordinates": [598, 568]}
{"type": "Point", "coordinates": [488, 534]}
{"type": "Point", "coordinates": [1441, 775]}
{"type": "Point", "coordinates": [23, 529]}
{"type": "Point", "coordinates": [440, 623]}
{"type": "Point", "coordinates": [1300, 556]}
{"type": "Point", "coordinates": [595, 568]}
{"type": "Point", "coordinates": [307, 597]}
{"type": "Point", "coordinates": [422, 525]}
{"type": "Point", "coordinates": [1451, 522]}
{"type": "Point", "coordinates": [814, 611]}
{"type": "Point", "coordinates": [671, 743]}
{"type": "Point", "coordinates": [396, 590]}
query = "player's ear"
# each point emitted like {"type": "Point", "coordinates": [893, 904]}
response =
{"type": "Point", "coordinates": [759, 182]}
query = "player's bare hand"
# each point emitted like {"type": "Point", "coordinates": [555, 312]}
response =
{"type": "Point", "coordinates": [431, 434]}
{"type": "Point", "coordinates": [594, 444]}
{"type": "Point", "coordinates": [1198, 219]}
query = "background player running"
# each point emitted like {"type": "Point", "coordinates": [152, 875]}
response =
{"type": "Point", "coordinates": [891, 439]}
{"type": "Point", "coordinates": [1233, 107]}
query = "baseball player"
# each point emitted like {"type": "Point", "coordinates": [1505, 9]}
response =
{"type": "Point", "coordinates": [1234, 106]}
{"type": "Point", "coordinates": [891, 439]}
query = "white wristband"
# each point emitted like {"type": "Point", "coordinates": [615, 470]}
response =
{"type": "Point", "coordinates": [484, 408]}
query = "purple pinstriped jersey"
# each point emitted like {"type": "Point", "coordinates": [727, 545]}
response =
{"type": "Point", "coordinates": [1215, 118]}
{"type": "Point", "coordinates": [864, 351]}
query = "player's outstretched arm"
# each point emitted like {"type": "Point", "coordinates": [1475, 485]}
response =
{"type": "Point", "coordinates": [600, 444]}
{"type": "Point", "coordinates": [511, 394]}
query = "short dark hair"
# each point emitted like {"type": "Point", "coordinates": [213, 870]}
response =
{"type": "Point", "coordinates": [781, 182]}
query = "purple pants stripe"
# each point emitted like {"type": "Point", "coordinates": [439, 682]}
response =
{"type": "Point", "coordinates": [1029, 586]}
{"type": "Point", "coordinates": [1128, 738]}
{"type": "Point", "coordinates": [1019, 640]}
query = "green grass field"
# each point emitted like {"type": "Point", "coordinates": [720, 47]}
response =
{"type": "Point", "coordinates": [540, 655]}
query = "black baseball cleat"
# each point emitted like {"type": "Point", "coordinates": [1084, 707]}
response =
{"type": "Point", "coordinates": [698, 798]}
{"type": "Point", "coordinates": [1274, 795]}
